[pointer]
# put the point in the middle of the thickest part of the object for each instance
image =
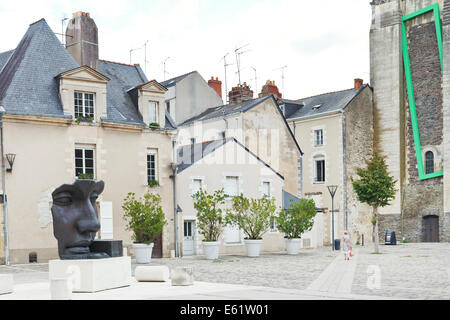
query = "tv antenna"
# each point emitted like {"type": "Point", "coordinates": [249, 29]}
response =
{"type": "Point", "coordinates": [165, 72]}
{"type": "Point", "coordinates": [238, 54]}
{"type": "Point", "coordinates": [256, 80]}
{"type": "Point", "coordinates": [145, 57]}
{"type": "Point", "coordinates": [131, 50]}
{"type": "Point", "coordinates": [282, 77]}
{"type": "Point", "coordinates": [62, 29]}
{"type": "Point", "coordinates": [225, 65]}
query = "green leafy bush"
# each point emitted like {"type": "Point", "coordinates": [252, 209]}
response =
{"type": "Point", "coordinates": [154, 125]}
{"type": "Point", "coordinates": [153, 183]}
{"type": "Point", "coordinates": [85, 176]}
{"type": "Point", "coordinates": [145, 216]}
{"type": "Point", "coordinates": [298, 219]}
{"type": "Point", "coordinates": [251, 215]}
{"type": "Point", "coordinates": [210, 221]}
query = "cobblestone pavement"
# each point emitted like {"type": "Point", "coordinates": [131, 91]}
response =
{"type": "Point", "coordinates": [407, 271]}
{"type": "Point", "coordinates": [277, 270]}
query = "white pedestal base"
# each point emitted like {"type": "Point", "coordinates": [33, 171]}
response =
{"type": "Point", "coordinates": [93, 275]}
{"type": "Point", "coordinates": [6, 283]}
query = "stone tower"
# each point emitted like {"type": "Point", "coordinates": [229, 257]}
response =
{"type": "Point", "coordinates": [418, 211]}
{"type": "Point", "coordinates": [82, 39]}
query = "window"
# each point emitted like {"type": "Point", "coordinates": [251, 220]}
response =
{"type": "Point", "coordinates": [273, 224]}
{"type": "Point", "coordinates": [429, 162]}
{"type": "Point", "coordinates": [197, 185]}
{"type": "Point", "coordinates": [231, 186]}
{"type": "Point", "coordinates": [84, 162]}
{"type": "Point", "coordinates": [168, 106]}
{"type": "Point", "coordinates": [319, 170]}
{"type": "Point", "coordinates": [266, 189]}
{"type": "Point", "coordinates": [151, 166]}
{"type": "Point", "coordinates": [153, 112]}
{"type": "Point", "coordinates": [318, 138]}
{"type": "Point", "coordinates": [84, 104]}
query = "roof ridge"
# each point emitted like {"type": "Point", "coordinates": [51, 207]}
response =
{"type": "Point", "coordinates": [125, 64]}
{"type": "Point", "coordinates": [181, 75]}
{"type": "Point", "coordinates": [42, 19]}
{"type": "Point", "coordinates": [322, 94]}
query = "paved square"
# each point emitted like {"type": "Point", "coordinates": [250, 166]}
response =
{"type": "Point", "coordinates": [405, 271]}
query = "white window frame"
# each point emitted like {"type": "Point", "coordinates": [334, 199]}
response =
{"type": "Point", "coordinates": [151, 103]}
{"type": "Point", "coordinates": [237, 185]}
{"type": "Point", "coordinates": [202, 187]}
{"type": "Point", "coordinates": [316, 160]}
{"type": "Point", "coordinates": [270, 189]}
{"type": "Point", "coordinates": [83, 104]}
{"type": "Point", "coordinates": [152, 152]}
{"type": "Point", "coordinates": [83, 158]}
{"type": "Point", "coordinates": [316, 144]}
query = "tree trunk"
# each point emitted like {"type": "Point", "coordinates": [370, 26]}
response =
{"type": "Point", "coordinates": [375, 214]}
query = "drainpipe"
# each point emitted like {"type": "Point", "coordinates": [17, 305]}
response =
{"type": "Point", "coordinates": [5, 202]}
{"type": "Point", "coordinates": [175, 204]}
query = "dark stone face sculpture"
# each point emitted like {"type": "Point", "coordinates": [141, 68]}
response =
{"type": "Point", "coordinates": [75, 220]}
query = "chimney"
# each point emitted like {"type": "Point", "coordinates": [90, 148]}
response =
{"type": "Point", "coordinates": [216, 85]}
{"type": "Point", "coordinates": [82, 39]}
{"type": "Point", "coordinates": [270, 88]}
{"type": "Point", "coordinates": [358, 83]}
{"type": "Point", "coordinates": [240, 93]}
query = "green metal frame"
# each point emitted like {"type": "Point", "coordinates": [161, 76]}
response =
{"type": "Point", "coordinates": [412, 100]}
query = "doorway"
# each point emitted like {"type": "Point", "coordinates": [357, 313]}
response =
{"type": "Point", "coordinates": [430, 229]}
{"type": "Point", "coordinates": [188, 238]}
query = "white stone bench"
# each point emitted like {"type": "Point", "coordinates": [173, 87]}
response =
{"type": "Point", "coordinates": [152, 274]}
{"type": "Point", "coordinates": [183, 276]}
{"type": "Point", "coordinates": [6, 283]}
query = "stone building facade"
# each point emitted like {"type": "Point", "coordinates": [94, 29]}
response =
{"type": "Point", "coordinates": [418, 212]}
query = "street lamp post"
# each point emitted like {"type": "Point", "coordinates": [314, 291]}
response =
{"type": "Point", "coordinates": [332, 189]}
{"type": "Point", "coordinates": [5, 201]}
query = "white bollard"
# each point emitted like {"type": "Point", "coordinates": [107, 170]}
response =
{"type": "Point", "coordinates": [152, 273]}
{"type": "Point", "coordinates": [61, 289]}
{"type": "Point", "coordinates": [183, 276]}
{"type": "Point", "coordinates": [6, 283]}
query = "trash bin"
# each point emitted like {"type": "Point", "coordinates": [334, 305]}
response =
{"type": "Point", "coordinates": [389, 238]}
{"type": "Point", "coordinates": [337, 244]}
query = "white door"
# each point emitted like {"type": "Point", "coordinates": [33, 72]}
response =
{"type": "Point", "coordinates": [106, 221]}
{"type": "Point", "coordinates": [188, 239]}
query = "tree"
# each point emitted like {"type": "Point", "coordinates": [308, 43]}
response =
{"type": "Point", "coordinates": [145, 216]}
{"type": "Point", "coordinates": [209, 214]}
{"type": "Point", "coordinates": [298, 219]}
{"type": "Point", "coordinates": [251, 215]}
{"type": "Point", "coordinates": [375, 188]}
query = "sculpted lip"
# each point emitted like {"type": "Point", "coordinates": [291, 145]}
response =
{"type": "Point", "coordinates": [79, 247]}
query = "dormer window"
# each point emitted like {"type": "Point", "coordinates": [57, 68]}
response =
{"type": "Point", "coordinates": [84, 105]}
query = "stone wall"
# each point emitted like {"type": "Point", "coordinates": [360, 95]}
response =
{"type": "Point", "coordinates": [358, 147]}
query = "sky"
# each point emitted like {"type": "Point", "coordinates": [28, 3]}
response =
{"type": "Point", "coordinates": [322, 45]}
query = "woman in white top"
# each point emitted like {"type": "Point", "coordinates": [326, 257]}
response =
{"type": "Point", "coordinates": [346, 245]}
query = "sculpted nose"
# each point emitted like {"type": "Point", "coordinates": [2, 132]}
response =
{"type": "Point", "coordinates": [89, 221]}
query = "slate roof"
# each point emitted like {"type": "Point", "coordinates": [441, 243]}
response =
{"type": "Point", "coordinates": [172, 82]}
{"type": "Point", "coordinates": [288, 199]}
{"type": "Point", "coordinates": [323, 103]}
{"type": "Point", "coordinates": [29, 82]}
{"type": "Point", "coordinates": [4, 57]}
{"type": "Point", "coordinates": [227, 109]}
{"type": "Point", "coordinates": [189, 154]}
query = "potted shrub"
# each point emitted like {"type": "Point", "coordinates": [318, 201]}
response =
{"type": "Point", "coordinates": [253, 217]}
{"type": "Point", "coordinates": [146, 220]}
{"type": "Point", "coordinates": [153, 183]}
{"type": "Point", "coordinates": [210, 220]}
{"type": "Point", "coordinates": [295, 221]}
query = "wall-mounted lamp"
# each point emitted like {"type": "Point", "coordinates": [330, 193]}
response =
{"type": "Point", "coordinates": [10, 157]}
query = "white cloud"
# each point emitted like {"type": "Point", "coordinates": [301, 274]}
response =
{"type": "Point", "coordinates": [325, 44]}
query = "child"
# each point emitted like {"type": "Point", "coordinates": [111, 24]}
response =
{"type": "Point", "coordinates": [346, 246]}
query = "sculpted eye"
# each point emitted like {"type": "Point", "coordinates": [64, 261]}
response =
{"type": "Point", "coordinates": [63, 201]}
{"type": "Point", "coordinates": [94, 196]}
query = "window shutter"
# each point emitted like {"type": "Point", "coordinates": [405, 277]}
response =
{"type": "Point", "coordinates": [106, 221]}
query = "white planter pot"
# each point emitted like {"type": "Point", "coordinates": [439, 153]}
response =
{"type": "Point", "coordinates": [253, 247]}
{"type": "Point", "coordinates": [293, 246]}
{"type": "Point", "coordinates": [211, 249]}
{"type": "Point", "coordinates": [143, 252]}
